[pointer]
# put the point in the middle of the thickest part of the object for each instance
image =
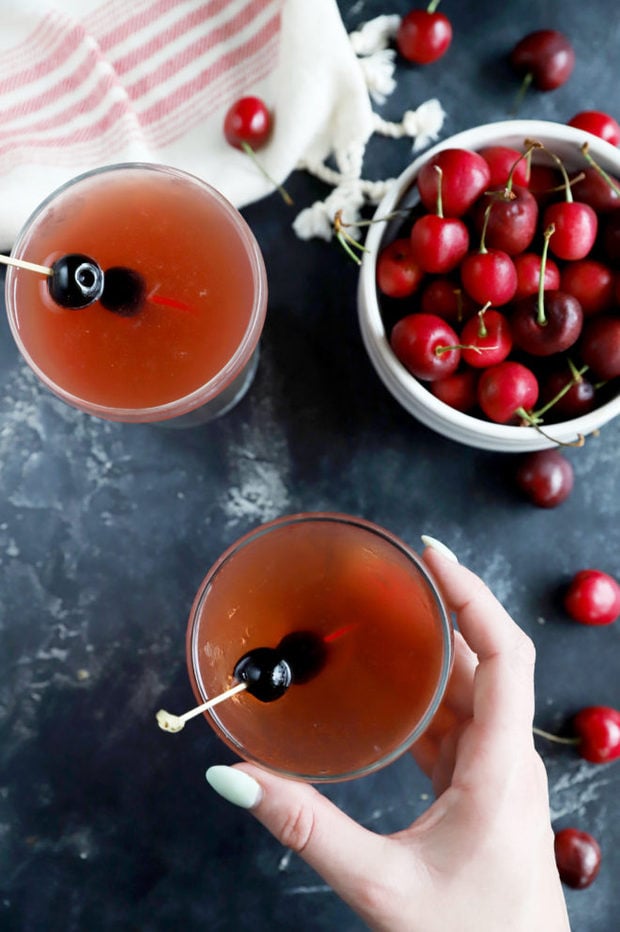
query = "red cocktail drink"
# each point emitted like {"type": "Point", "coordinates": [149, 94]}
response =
{"type": "Point", "coordinates": [181, 347]}
{"type": "Point", "coordinates": [364, 630]}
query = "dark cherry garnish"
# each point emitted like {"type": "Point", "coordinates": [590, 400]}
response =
{"type": "Point", "coordinates": [76, 281]}
{"type": "Point", "coordinates": [305, 653]}
{"type": "Point", "coordinates": [265, 672]}
{"type": "Point", "coordinates": [545, 477]}
{"type": "Point", "coordinates": [123, 292]}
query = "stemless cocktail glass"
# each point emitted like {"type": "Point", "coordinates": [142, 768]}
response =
{"type": "Point", "coordinates": [185, 349]}
{"type": "Point", "coordinates": [376, 636]}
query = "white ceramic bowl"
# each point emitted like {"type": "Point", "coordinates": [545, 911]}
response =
{"type": "Point", "coordinates": [564, 141]}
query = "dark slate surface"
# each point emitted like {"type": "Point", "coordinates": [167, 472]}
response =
{"type": "Point", "coordinates": [106, 531]}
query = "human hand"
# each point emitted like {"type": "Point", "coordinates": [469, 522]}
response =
{"type": "Point", "coordinates": [481, 857]}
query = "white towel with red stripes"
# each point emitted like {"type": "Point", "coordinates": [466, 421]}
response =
{"type": "Point", "coordinates": [85, 83]}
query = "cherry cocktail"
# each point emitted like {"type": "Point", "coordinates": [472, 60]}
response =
{"type": "Point", "coordinates": [154, 301]}
{"type": "Point", "coordinates": [340, 635]}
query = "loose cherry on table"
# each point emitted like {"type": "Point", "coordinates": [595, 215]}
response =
{"type": "Point", "coordinates": [578, 857]}
{"type": "Point", "coordinates": [546, 477]}
{"type": "Point", "coordinates": [423, 36]}
{"type": "Point", "coordinates": [593, 598]}
{"type": "Point", "coordinates": [248, 125]}
{"type": "Point", "coordinates": [599, 124]}
{"type": "Point", "coordinates": [544, 58]}
{"type": "Point", "coordinates": [595, 734]}
{"type": "Point", "coordinates": [598, 730]}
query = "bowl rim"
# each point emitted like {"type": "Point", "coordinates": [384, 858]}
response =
{"type": "Point", "coordinates": [407, 389]}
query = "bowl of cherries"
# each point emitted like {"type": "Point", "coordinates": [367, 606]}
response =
{"type": "Point", "coordinates": [489, 290]}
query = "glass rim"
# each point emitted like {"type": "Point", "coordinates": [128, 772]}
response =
{"type": "Point", "coordinates": [229, 372]}
{"type": "Point", "coordinates": [446, 632]}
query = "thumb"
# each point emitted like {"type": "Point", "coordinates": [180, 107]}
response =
{"type": "Point", "coordinates": [346, 855]}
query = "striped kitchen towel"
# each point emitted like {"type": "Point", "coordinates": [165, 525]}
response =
{"type": "Point", "coordinates": [85, 83]}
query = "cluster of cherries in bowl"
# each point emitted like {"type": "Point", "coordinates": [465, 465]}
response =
{"type": "Point", "coordinates": [500, 289]}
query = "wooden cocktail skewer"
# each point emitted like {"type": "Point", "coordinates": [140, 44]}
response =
{"type": "Point", "coordinates": [31, 266]}
{"type": "Point", "coordinates": [173, 723]}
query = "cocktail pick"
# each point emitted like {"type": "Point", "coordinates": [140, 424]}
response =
{"type": "Point", "coordinates": [31, 266]}
{"type": "Point", "coordinates": [173, 723]}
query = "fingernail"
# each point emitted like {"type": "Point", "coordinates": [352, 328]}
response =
{"type": "Point", "coordinates": [234, 786]}
{"type": "Point", "coordinates": [439, 547]}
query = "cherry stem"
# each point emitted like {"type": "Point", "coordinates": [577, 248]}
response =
{"type": "Point", "coordinates": [482, 328]}
{"type": "Point", "coordinates": [482, 249]}
{"type": "Point", "coordinates": [555, 738]}
{"type": "Point", "coordinates": [530, 419]}
{"type": "Point", "coordinates": [541, 318]}
{"type": "Point", "coordinates": [439, 171]}
{"type": "Point", "coordinates": [610, 181]}
{"type": "Point", "coordinates": [576, 377]}
{"type": "Point", "coordinates": [348, 242]}
{"type": "Point", "coordinates": [173, 723]}
{"type": "Point", "coordinates": [527, 80]}
{"type": "Point", "coordinates": [286, 197]}
{"type": "Point", "coordinates": [432, 6]}
{"type": "Point", "coordinates": [558, 161]}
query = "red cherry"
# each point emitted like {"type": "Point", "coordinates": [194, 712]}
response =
{"type": "Point", "coordinates": [546, 327]}
{"type": "Point", "coordinates": [591, 282]}
{"type": "Point", "coordinates": [593, 598]}
{"type": "Point", "coordinates": [545, 58]}
{"type": "Point", "coordinates": [589, 187]}
{"type": "Point", "coordinates": [445, 297]}
{"type": "Point", "coordinates": [545, 477]}
{"type": "Point", "coordinates": [512, 222]}
{"type": "Point", "coordinates": [489, 276]}
{"type": "Point", "coordinates": [398, 275]}
{"type": "Point", "coordinates": [423, 36]}
{"type": "Point", "coordinates": [527, 266]}
{"type": "Point", "coordinates": [598, 728]}
{"type": "Point", "coordinates": [578, 857]}
{"type": "Point", "coordinates": [599, 124]}
{"type": "Point", "coordinates": [544, 180]}
{"type": "Point", "coordinates": [247, 121]}
{"type": "Point", "coordinates": [438, 244]}
{"type": "Point", "coordinates": [464, 176]}
{"type": "Point", "coordinates": [576, 226]}
{"type": "Point", "coordinates": [486, 339]}
{"type": "Point", "coordinates": [504, 163]}
{"type": "Point", "coordinates": [426, 345]}
{"type": "Point", "coordinates": [611, 238]}
{"type": "Point", "coordinates": [600, 345]}
{"type": "Point", "coordinates": [457, 390]}
{"type": "Point", "coordinates": [506, 391]}
{"type": "Point", "coordinates": [578, 399]}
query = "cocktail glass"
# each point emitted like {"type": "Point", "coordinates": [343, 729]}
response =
{"type": "Point", "coordinates": [376, 645]}
{"type": "Point", "coordinates": [185, 352]}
